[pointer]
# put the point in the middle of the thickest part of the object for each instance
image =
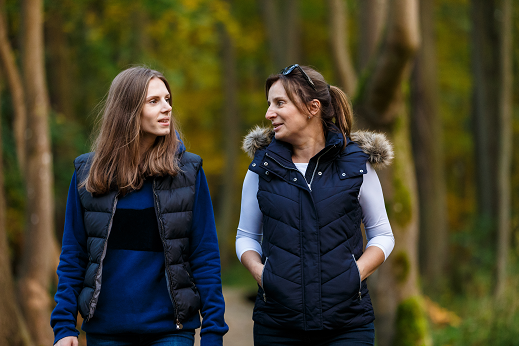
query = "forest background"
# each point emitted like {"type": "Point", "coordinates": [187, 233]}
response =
{"type": "Point", "coordinates": [438, 76]}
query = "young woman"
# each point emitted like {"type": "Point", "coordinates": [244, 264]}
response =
{"type": "Point", "coordinates": [139, 256]}
{"type": "Point", "coordinates": [307, 190]}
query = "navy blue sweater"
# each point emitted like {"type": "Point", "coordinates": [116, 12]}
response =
{"type": "Point", "coordinates": [134, 296]}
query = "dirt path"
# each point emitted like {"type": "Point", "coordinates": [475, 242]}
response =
{"type": "Point", "coordinates": [238, 315]}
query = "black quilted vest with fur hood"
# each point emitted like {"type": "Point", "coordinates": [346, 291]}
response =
{"type": "Point", "coordinates": [174, 200]}
{"type": "Point", "coordinates": [311, 232]}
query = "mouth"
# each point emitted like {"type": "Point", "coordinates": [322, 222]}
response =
{"type": "Point", "coordinates": [277, 126]}
{"type": "Point", "coordinates": [164, 122]}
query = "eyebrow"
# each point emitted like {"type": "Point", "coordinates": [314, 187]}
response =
{"type": "Point", "coordinates": [277, 99]}
{"type": "Point", "coordinates": [156, 96]}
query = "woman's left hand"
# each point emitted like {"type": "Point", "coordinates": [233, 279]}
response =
{"type": "Point", "coordinates": [370, 260]}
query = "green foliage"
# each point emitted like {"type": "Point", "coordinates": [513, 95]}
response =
{"type": "Point", "coordinates": [411, 324]}
{"type": "Point", "coordinates": [484, 321]}
{"type": "Point", "coordinates": [401, 266]}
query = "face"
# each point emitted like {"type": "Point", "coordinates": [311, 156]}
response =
{"type": "Point", "coordinates": [290, 125]}
{"type": "Point", "coordinates": [156, 112]}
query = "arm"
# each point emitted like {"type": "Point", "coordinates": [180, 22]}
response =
{"type": "Point", "coordinates": [376, 224]}
{"type": "Point", "coordinates": [71, 270]}
{"type": "Point", "coordinates": [205, 264]}
{"type": "Point", "coordinates": [250, 232]}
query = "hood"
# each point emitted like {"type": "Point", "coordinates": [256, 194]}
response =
{"type": "Point", "coordinates": [376, 145]}
{"type": "Point", "coordinates": [181, 146]}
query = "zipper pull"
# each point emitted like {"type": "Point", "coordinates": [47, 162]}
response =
{"type": "Point", "coordinates": [179, 325]}
{"type": "Point", "coordinates": [264, 297]}
{"type": "Point", "coordinates": [360, 296]}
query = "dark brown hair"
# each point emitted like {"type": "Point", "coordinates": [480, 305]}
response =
{"type": "Point", "coordinates": [117, 163]}
{"type": "Point", "coordinates": [335, 106]}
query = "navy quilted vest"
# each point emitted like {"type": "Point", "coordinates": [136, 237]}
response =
{"type": "Point", "coordinates": [311, 238]}
{"type": "Point", "coordinates": [174, 200]}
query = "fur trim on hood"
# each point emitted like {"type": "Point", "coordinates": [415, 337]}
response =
{"type": "Point", "coordinates": [376, 145]}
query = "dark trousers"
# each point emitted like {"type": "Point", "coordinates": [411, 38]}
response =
{"type": "Point", "coordinates": [361, 336]}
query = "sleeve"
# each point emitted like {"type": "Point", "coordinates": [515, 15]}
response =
{"type": "Point", "coordinates": [71, 268]}
{"type": "Point", "coordinates": [205, 265]}
{"type": "Point", "coordinates": [250, 227]}
{"type": "Point", "coordinates": [374, 215]}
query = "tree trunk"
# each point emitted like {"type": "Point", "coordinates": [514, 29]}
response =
{"type": "Point", "coordinates": [228, 214]}
{"type": "Point", "coordinates": [15, 88]}
{"type": "Point", "coordinates": [13, 330]}
{"type": "Point", "coordinates": [60, 63]}
{"type": "Point", "coordinates": [339, 44]}
{"type": "Point", "coordinates": [426, 133]}
{"type": "Point", "coordinates": [283, 31]}
{"type": "Point", "coordinates": [373, 15]}
{"type": "Point", "coordinates": [397, 298]}
{"type": "Point", "coordinates": [39, 244]}
{"type": "Point", "coordinates": [485, 66]}
{"type": "Point", "coordinates": [505, 146]}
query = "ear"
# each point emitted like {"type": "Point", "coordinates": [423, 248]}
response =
{"type": "Point", "coordinates": [314, 106]}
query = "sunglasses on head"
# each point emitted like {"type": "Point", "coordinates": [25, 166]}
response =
{"type": "Point", "coordinates": [287, 70]}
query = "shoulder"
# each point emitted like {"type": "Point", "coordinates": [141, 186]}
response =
{"type": "Point", "coordinates": [376, 146]}
{"type": "Point", "coordinates": [187, 157]}
{"type": "Point", "coordinates": [85, 158]}
{"type": "Point", "coordinates": [190, 162]}
{"type": "Point", "coordinates": [256, 140]}
{"type": "Point", "coordinates": [82, 164]}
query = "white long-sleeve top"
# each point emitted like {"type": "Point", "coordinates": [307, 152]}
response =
{"type": "Point", "coordinates": [371, 199]}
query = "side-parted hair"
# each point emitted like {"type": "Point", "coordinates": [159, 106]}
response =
{"type": "Point", "coordinates": [335, 106]}
{"type": "Point", "coordinates": [117, 164]}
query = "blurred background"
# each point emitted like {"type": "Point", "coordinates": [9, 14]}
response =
{"type": "Point", "coordinates": [439, 77]}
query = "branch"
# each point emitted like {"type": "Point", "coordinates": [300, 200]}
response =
{"type": "Point", "coordinates": [339, 45]}
{"type": "Point", "coordinates": [400, 46]}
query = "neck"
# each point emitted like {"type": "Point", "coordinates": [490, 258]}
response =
{"type": "Point", "coordinates": [145, 144]}
{"type": "Point", "coordinates": [303, 152]}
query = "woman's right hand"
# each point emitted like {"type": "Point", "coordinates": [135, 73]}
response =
{"type": "Point", "coordinates": [252, 261]}
{"type": "Point", "coordinates": [67, 341]}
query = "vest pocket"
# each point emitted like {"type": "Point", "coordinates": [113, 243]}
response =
{"type": "Point", "coordinates": [360, 278]}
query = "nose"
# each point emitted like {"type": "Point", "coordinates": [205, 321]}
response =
{"type": "Point", "coordinates": [270, 114]}
{"type": "Point", "coordinates": [166, 108]}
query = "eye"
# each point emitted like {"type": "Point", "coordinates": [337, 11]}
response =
{"type": "Point", "coordinates": [153, 101]}
{"type": "Point", "coordinates": [280, 103]}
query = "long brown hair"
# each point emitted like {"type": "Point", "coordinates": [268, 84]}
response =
{"type": "Point", "coordinates": [117, 163]}
{"type": "Point", "coordinates": [335, 106]}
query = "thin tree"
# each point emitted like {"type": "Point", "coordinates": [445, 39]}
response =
{"type": "Point", "coordinates": [13, 330]}
{"type": "Point", "coordinates": [485, 99]}
{"type": "Point", "coordinates": [16, 90]}
{"type": "Point", "coordinates": [39, 244]}
{"type": "Point", "coordinates": [283, 31]}
{"type": "Point", "coordinates": [505, 145]}
{"type": "Point", "coordinates": [426, 133]}
{"type": "Point", "coordinates": [227, 218]}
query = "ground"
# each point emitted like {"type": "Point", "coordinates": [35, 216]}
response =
{"type": "Point", "coordinates": [238, 315]}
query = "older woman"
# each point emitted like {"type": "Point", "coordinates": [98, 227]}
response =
{"type": "Point", "coordinates": [307, 190]}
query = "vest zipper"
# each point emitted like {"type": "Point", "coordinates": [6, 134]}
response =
{"type": "Point", "coordinates": [317, 164]}
{"type": "Point", "coordinates": [100, 269]}
{"type": "Point", "coordinates": [171, 296]}
{"type": "Point", "coordinates": [360, 280]}
{"type": "Point", "coordinates": [262, 283]}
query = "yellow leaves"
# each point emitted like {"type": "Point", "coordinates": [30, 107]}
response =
{"type": "Point", "coordinates": [440, 315]}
